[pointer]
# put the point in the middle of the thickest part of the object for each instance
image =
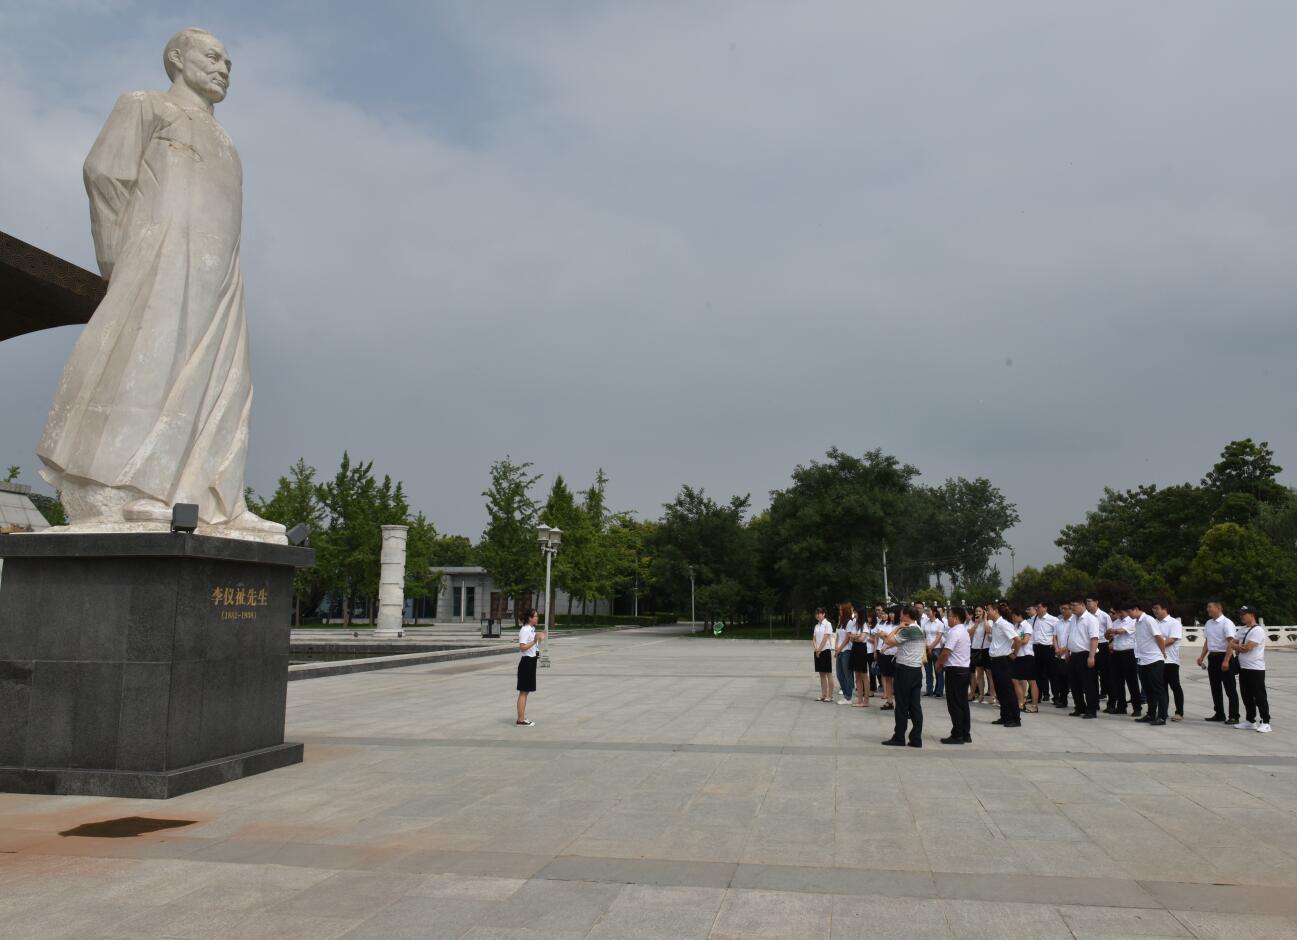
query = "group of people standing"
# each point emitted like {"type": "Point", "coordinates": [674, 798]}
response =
{"type": "Point", "coordinates": [1125, 659]}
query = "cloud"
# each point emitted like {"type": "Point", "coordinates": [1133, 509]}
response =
{"type": "Point", "coordinates": [705, 243]}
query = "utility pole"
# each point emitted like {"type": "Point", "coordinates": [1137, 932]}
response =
{"type": "Point", "coordinates": [693, 617]}
{"type": "Point", "coordinates": [887, 595]}
{"type": "Point", "coordinates": [1013, 565]}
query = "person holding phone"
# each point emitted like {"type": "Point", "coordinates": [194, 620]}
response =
{"type": "Point", "coordinates": [528, 639]}
{"type": "Point", "coordinates": [908, 641]}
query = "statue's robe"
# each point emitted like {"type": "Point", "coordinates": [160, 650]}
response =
{"type": "Point", "coordinates": [155, 399]}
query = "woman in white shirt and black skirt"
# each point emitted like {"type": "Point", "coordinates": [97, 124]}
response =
{"type": "Point", "coordinates": [528, 639]}
{"type": "Point", "coordinates": [822, 643]}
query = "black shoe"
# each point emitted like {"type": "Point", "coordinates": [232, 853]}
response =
{"type": "Point", "coordinates": [1216, 718]}
{"type": "Point", "coordinates": [1075, 714]}
{"type": "Point", "coordinates": [1145, 719]}
{"type": "Point", "coordinates": [1137, 712]}
{"type": "Point", "coordinates": [1232, 721]}
{"type": "Point", "coordinates": [998, 721]}
{"type": "Point", "coordinates": [892, 742]}
{"type": "Point", "coordinates": [916, 744]}
{"type": "Point", "coordinates": [968, 739]}
{"type": "Point", "coordinates": [952, 740]}
{"type": "Point", "coordinates": [1090, 715]}
{"type": "Point", "coordinates": [1060, 704]}
{"type": "Point", "coordinates": [1160, 721]}
{"type": "Point", "coordinates": [1013, 724]}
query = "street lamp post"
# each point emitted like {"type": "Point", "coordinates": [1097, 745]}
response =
{"type": "Point", "coordinates": [549, 540]}
{"type": "Point", "coordinates": [1013, 565]}
{"type": "Point", "coordinates": [693, 616]}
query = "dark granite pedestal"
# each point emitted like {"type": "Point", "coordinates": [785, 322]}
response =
{"type": "Point", "coordinates": [144, 665]}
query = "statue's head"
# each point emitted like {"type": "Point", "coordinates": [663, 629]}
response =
{"type": "Point", "coordinates": [199, 59]}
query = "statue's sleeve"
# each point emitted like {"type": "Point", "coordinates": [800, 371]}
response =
{"type": "Point", "coordinates": [112, 169]}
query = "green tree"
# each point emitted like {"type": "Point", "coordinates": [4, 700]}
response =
{"type": "Point", "coordinates": [1159, 528]}
{"type": "Point", "coordinates": [827, 530]}
{"type": "Point", "coordinates": [1237, 566]}
{"type": "Point", "coordinates": [450, 551]}
{"type": "Point", "coordinates": [296, 500]}
{"type": "Point", "coordinates": [508, 547]}
{"type": "Point", "coordinates": [1246, 467]}
{"type": "Point", "coordinates": [561, 512]}
{"type": "Point", "coordinates": [968, 527]}
{"type": "Point", "coordinates": [696, 531]}
{"type": "Point", "coordinates": [341, 549]}
{"type": "Point", "coordinates": [13, 473]}
{"type": "Point", "coordinates": [1052, 584]}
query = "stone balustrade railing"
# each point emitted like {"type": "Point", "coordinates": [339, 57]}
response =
{"type": "Point", "coordinates": [1275, 636]}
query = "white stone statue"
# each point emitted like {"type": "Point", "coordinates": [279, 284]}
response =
{"type": "Point", "coordinates": [153, 406]}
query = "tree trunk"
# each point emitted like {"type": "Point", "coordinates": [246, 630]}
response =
{"type": "Point", "coordinates": [346, 610]}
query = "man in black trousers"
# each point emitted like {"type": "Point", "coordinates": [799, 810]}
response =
{"type": "Point", "coordinates": [1083, 648]}
{"type": "Point", "coordinates": [1043, 627]}
{"type": "Point", "coordinates": [956, 657]}
{"type": "Point", "coordinates": [1150, 654]}
{"type": "Point", "coordinates": [1222, 672]}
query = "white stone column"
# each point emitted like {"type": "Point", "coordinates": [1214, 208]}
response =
{"type": "Point", "coordinates": [391, 582]}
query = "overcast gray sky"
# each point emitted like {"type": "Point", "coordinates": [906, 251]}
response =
{"type": "Point", "coordinates": [1047, 243]}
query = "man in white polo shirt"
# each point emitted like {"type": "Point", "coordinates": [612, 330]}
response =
{"type": "Point", "coordinates": [1221, 671]}
{"type": "Point", "coordinates": [1149, 655]}
{"type": "Point", "coordinates": [1248, 646]}
{"type": "Point", "coordinates": [1172, 634]}
{"type": "Point", "coordinates": [1102, 661]}
{"type": "Point", "coordinates": [1043, 625]}
{"type": "Point", "coordinates": [955, 661]}
{"type": "Point", "coordinates": [1125, 671]}
{"type": "Point", "coordinates": [1083, 650]}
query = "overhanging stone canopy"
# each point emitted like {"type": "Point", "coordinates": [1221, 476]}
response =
{"type": "Point", "coordinates": [39, 290]}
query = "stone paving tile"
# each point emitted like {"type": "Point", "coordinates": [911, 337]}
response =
{"type": "Point", "coordinates": [416, 799]}
{"type": "Point", "coordinates": [649, 923]}
{"type": "Point", "coordinates": [757, 915]}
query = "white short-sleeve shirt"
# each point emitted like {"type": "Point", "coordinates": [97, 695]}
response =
{"type": "Point", "coordinates": [526, 635]}
{"type": "Point", "coordinates": [1255, 657]}
{"type": "Point", "coordinates": [957, 642]}
{"type": "Point", "coordinates": [1043, 629]}
{"type": "Point", "coordinates": [1146, 649]}
{"type": "Point", "coordinates": [1173, 633]}
{"type": "Point", "coordinates": [1024, 630]}
{"type": "Point", "coordinates": [1218, 631]}
{"type": "Point", "coordinates": [842, 635]}
{"type": "Point", "coordinates": [1105, 622]}
{"type": "Point", "coordinates": [1125, 640]}
{"type": "Point", "coordinates": [1003, 634]}
{"type": "Point", "coordinates": [1084, 629]}
{"type": "Point", "coordinates": [823, 636]}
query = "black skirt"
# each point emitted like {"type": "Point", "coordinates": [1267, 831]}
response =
{"type": "Point", "coordinates": [982, 659]}
{"type": "Point", "coordinates": [887, 665]}
{"type": "Point", "coordinates": [527, 673]}
{"type": "Point", "coordinates": [860, 658]}
{"type": "Point", "coordinates": [1024, 668]}
{"type": "Point", "coordinates": [824, 661]}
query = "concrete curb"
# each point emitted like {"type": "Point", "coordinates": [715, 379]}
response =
{"type": "Point", "coordinates": [348, 666]}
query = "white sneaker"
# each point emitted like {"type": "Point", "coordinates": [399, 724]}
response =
{"type": "Point", "coordinates": [1263, 727]}
{"type": "Point", "coordinates": [1244, 725]}
{"type": "Point", "coordinates": [844, 701]}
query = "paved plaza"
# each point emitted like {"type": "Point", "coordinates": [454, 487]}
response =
{"type": "Point", "coordinates": [681, 787]}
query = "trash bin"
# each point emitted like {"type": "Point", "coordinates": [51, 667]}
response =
{"type": "Point", "coordinates": [490, 628]}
